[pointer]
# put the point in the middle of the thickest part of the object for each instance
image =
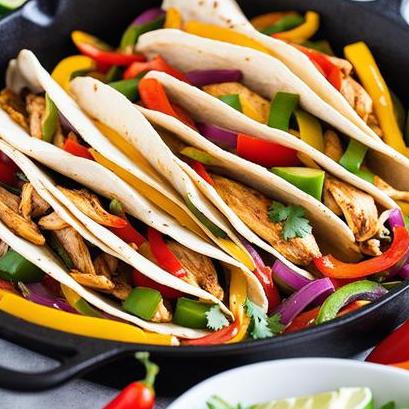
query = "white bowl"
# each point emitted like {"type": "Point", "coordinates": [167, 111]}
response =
{"type": "Point", "coordinates": [296, 377]}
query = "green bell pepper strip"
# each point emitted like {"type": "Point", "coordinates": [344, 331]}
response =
{"type": "Point", "coordinates": [323, 46]}
{"type": "Point", "coordinates": [284, 24]}
{"type": "Point", "coordinates": [14, 267]}
{"type": "Point", "coordinates": [113, 74]}
{"type": "Point", "coordinates": [132, 33]}
{"type": "Point", "coordinates": [11, 189]}
{"type": "Point", "coordinates": [50, 122]}
{"type": "Point", "coordinates": [232, 100]}
{"type": "Point", "coordinates": [363, 290]}
{"type": "Point", "coordinates": [281, 109]}
{"type": "Point", "coordinates": [129, 88]}
{"type": "Point", "coordinates": [142, 302]}
{"type": "Point", "coordinates": [191, 314]}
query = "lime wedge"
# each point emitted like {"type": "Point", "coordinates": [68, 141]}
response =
{"type": "Point", "coordinates": [10, 5]}
{"type": "Point", "coordinates": [345, 398]}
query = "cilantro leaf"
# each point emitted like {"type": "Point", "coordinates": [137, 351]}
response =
{"type": "Point", "coordinates": [274, 323]}
{"type": "Point", "coordinates": [295, 224]}
{"type": "Point", "coordinates": [259, 328]}
{"type": "Point", "coordinates": [216, 319]}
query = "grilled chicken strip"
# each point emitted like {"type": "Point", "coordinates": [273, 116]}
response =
{"type": "Point", "coordinates": [252, 208]}
{"type": "Point", "coordinates": [75, 246]}
{"type": "Point", "coordinates": [229, 88]}
{"type": "Point", "coordinates": [390, 191]}
{"type": "Point", "coordinates": [31, 204]}
{"type": "Point", "coordinates": [359, 208]}
{"type": "Point", "coordinates": [200, 269]}
{"type": "Point", "coordinates": [333, 146]}
{"type": "Point", "coordinates": [35, 106]}
{"type": "Point", "coordinates": [9, 199]}
{"type": "Point", "coordinates": [13, 106]}
{"type": "Point", "coordinates": [162, 314]}
{"type": "Point", "coordinates": [52, 222]}
{"type": "Point", "coordinates": [96, 282]}
{"type": "Point", "coordinates": [4, 248]}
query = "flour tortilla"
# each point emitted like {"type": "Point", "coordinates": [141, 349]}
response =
{"type": "Point", "coordinates": [266, 75]}
{"type": "Point", "coordinates": [227, 14]}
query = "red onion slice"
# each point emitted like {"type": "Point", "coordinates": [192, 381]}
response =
{"type": "Point", "coordinates": [221, 137]}
{"type": "Point", "coordinates": [200, 78]}
{"type": "Point", "coordinates": [290, 278]}
{"type": "Point", "coordinates": [395, 218]}
{"type": "Point", "coordinates": [148, 15]}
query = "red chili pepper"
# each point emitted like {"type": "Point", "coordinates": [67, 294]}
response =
{"type": "Point", "coordinates": [156, 64]}
{"type": "Point", "coordinates": [331, 267]}
{"type": "Point", "coordinates": [141, 280]}
{"type": "Point", "coordinates": [265, 153]}
{"type": "Point", "coordinates": [265, 276]}
{"type": "Point", "coordinates": [219, 337]}
{"type": "Point", "coordinates": [393, 349]}
{"type": "Point", "coordinates": [200, 169]}
{"type": "Point", "coordinates": [76, 149]}
{"type": "Point", "coordinates": [128, 233]}
{"type": "Point", "coordinates": [138, 395]}
{"type": "Point", "coordinates": [154, 97]}
{"type": "Point", "coordinates": [164, 257]}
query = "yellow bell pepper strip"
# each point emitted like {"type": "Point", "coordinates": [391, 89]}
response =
{"type": "Point", "coordinates": [404, 207]}
{"type": "Point", "coordinates": [307, 161]}
{"type": "Point", "coordinates": [359, 55]}
{"type": "Point", "coordinates": [65, 69]}
{"type": "Point", "coordinates": [265, 20]}
{"type": "Point", "coordinates": [78, 303]}
{"type": "Point", "coordinates": [310, 129]}
{"type": "Point", "coordinates": [303, 32]}
{"type": "Point", "coordinates": [226, 35]}
{"type": "Point", "coordinates": [173, 19]}
{"type": "Point", "coordinates": [251, 111]}
{"type": "Point", "coordinates": [78, 324]}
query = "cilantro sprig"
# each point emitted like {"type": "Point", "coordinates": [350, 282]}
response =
{"type": "Point", "coordinates": [216, 319]}
{"type": "Point", "coordinates": [295, 224]}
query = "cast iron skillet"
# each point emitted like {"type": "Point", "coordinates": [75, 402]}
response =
{"type": "Point", "coordinates": [44, 27]}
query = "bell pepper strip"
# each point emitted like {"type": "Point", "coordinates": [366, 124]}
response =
{"type": "Point", "coordinates": [393, 349]}
{"type": "Point", "coordinates": [265, 153]}
{"type": "Point", "coordinates": [163, 255]}
{"type": "Point", "coordinates": [142, 302]}
{"type": "Point", "coordinates": [265, 277]}
{"type": "Point", "coordinates": [50, 120]}
{"type": "Point", "coordinates": [286, 23]}
{"type": "Point", "coordinates": [183, 116]}
{"type": "Point", "coordinates": [232, 100]}
{"type": "Point", "coordinates": [402, 365]}
{"type": "Point", "coordinates": [129, 88]}
{"type": "Point", "coordinates": [100, 52]}
{"type": "Point", "coordinates": [404, 206]}
{"type": "Point", "coordinates": [251, 111]}
{"type": "Point", "coordinates": [138, 395]}
{"type": "Point", "coordinates": [62, 73]}
{"type": "Point", "coordinates": [264, 20]}
{"type": "Point", "coordinates": [7, 174]}
{"type": "Point", "coordinates": [221, 336]}
{"type": "Point", "coordinates": [77, 324]}
{"type": "Point", "coordinates": [330, 71]}
{"type": "Point", "coordinates": [304, 31]}
{"type": "Point", "coordinates": [14, 267]}
{"type": "Point", "coordinates": [310, 129]}
{"type": "Point", "coordinates": [226, 35]}
{"type": "Point", "coordinates": [359, 55]}
{"type": "Point", "coordinates": [202, 172]}
{"type": "Point", "coordinates": [147, 191]}
{"type": "Point", "coordinates": [281, 109]}
{"type": "Point", "coordinates": [198, 155]}
{"type": "Point", "coordinates": [363, 290]}
{"type": "Point", "coordinates": [78, 303]}
{"type": "Point", "coordinates": [113, 74]}
{"type": "Point", "coordinates": [76, 149]}
{"type": "Point", "coordinates": [156, 64]}
{"type": "Point", "coordinates": [191, 313]}
{"type": "Point", "coordinates": [154, 97]}
{"type": "Point", "coordinates": [322, 46]}
{"type": "Point", "coordinates": [173, 19]}
{"type": "Point", "coordinates": [393, 257]}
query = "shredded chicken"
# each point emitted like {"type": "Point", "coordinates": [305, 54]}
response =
{"type": "Point", "coordinates": [344, 65]}
{"type": "Point", "coordinates": [370, 247]}
{"type": "Point", "coordinates": [200, 269]}
{"type": "Point", "coordinates": [162, 314]}
{"type": "Point", "coordinates": [52, 222]}
{"type": "Point", "coordinates": [14, 107]}
{"type": "Point", "coordinates": [358, 207]}
{"type": "Point", "coordinates": [9, 199]}
{"type": "Point", "coordinates": [333, 146]}
{"type": "Point", "coordinates": [31, 204]}
{"type": "Point", "coordinates": [75, 246]}
{"type": "Point", "coordinates": [122, 288]}
{"type": "Point", "coordinates": [259, 103]}
{"type": "Point", "coordinates": [35, 106]}
{"type": "Point", "coordinates": [105, 265]}
{"type": "Point", "coordinates": [4, 248]}
{"type": "Point", "coordinates": [390, 191]}
{"type": "Point", "coordinates": [252, 208]}
{"type": "Point", "coordinates": [94, 281]}
{"type": "Point", "coordinates": [90, 205]}
{"type": "Point", "coordinates": [39, 205]}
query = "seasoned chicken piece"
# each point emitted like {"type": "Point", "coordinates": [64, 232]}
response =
{"type": "Point", "coordinates": [200, 269]}
{"type": "Point", "coordinates": [14, 107]}
{"type": "Point", "coordinates": [31, 204]}
{"type": "Point", "coordinates": [390, 191]}
{"type": "Point", "coordinates": [333, 146]}
{"type": "Point", "coordinates": [358, 207]}
{"type": "Point", "coordinates": [260, 104]}
{"type": "Point", "coordinates": [20, 226]}
{"type": "Point", "coordinates": [330, 202]}
{"type": "Point", "coordinates": [162, 314]}
{"type": "Point", "coordinates": [59, 138]}
{"type": "Point", "coordinates": [371, 247]}
{"type": "Point", "coordinates": [39, 205]}
{"type": "Point", "coordinates": [35, 106]}
{"type": "Point", "coordinates": [4, 248]}
{"type": "Point", "coordinates": [90, 205]}
{"type": "Point", "coordinates": [75, 246]}
{"type": "Point", "coordinates": [105, 265]}
{"type": "Point", "coordinates": [344, 65]}
{"type": "Point", "coordinates": [252, 208]}
{"type": "Point", "coordinates": [93, 281]}
{"type": "Point", "coordinates": [122, 288]}
{"type": "Point", "coordinates": [52, 222]}
{"type": "Point", "coordinates": [9, 199]}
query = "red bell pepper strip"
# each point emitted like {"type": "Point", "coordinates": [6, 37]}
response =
{"type": "Point", "coordinates": [128, 233]}
{"type": "Point", "coordinates": [138, 395]}
{"type": "Point", "coordinates": [7, 161]}
{"type": "Point", "coordinates": [164, 257]}
{"type": "Point", "coordinates": [156, 64]}
{"type": "Point", "coordinates": [154, 97]}
{"type": "Point", "coordinates": [265, 153]}
{"type": "Point", "coordinates": [102, 53]}
{"type": "Point", "coordinates": [7, 174]}
{"type": "Point", "coordinates": [200, 169]}
{"type": "Point", "coordinates": [265, 276]}
{"type": "Point", "coordinates": [331, 267]}
{"type": "Point", "coordinates": [76, 149]}
{"type": "Point", "coordinates": [393, 349]}
{"type": "Point", "coordinates": [141, 280]}
{"type": "Point", "coordinates": [219, 337]}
